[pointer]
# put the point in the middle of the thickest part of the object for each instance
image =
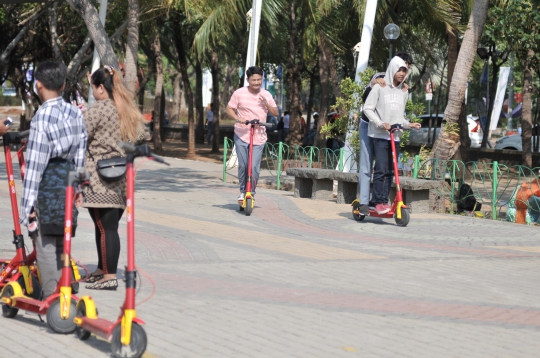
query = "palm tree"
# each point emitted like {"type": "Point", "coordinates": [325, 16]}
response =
{"type": "Point", "coordinates": [448, 141]}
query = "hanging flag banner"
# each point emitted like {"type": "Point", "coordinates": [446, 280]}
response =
{"type": "Point", "coordinates": [499, 97]}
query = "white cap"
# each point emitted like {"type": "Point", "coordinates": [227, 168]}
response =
{"type": "Point", "coordinates": [315, 114]}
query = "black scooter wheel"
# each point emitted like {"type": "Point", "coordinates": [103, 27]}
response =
{"type": "Point", "coordinates": [249, 208]}
{"type": "Point", "coordinates": [58, 324]}
{"type": "Point", "coordinates": [357, 217]}
{"type": "Point", "coordinates": [137, 344]}
{"type": "Point", "coordinates": [405, 217]}
{"type": "Point", "coordinates": [82, 333]}
{"type": "Point", "coordinates": [8, 311]}
{"type": "Point", "coordinates": [11, 312]}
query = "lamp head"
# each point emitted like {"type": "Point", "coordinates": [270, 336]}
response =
{"type": "Point", "coordinates": [391, 32]}
{"type": "Point", "coordinates": [483, 53]}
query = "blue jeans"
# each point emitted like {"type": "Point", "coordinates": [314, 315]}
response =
{"type": "Point", "coordinates": [242, 151]}
{"type": "Point", "coordinates": [384, 170]}
{"type": "Point", "coordinates": [366, 163]}
{"type": "Point", "coordinates": [210, 130]}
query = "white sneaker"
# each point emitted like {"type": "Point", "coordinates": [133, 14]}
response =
{"type": "Point", "coordinates": [240, 197]}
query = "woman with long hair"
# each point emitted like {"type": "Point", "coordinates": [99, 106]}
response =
{"type": "Point", "coordinates": [112, 118]}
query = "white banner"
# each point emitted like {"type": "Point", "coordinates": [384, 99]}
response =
{"type": "Point", "coordinates": [499, 97]}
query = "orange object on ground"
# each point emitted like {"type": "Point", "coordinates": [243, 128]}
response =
{"type": "Point", "coordinates": [523, 195]}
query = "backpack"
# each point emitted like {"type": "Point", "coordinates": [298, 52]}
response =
{"type": "Point", "coordinates": [467, 201]}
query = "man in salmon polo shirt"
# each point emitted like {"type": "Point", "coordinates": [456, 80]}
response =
{"type": "Point", "coordinates": [247, 103]}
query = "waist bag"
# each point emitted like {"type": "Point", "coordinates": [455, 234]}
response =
{"type": "Point", "coordinates": [112, 169]}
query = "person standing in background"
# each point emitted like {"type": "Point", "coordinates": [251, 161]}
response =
{"type": "Point", "coordinates": [209, 122]}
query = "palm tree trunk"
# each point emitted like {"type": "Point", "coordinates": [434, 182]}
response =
{"type": "Point", "coordinates": [312, 81]}
{"type": "Point", "coordinates": [453, 51]}
{"type": "Point", "coordinates": [156, 50]}
{"type": "Point", "coordinates": [183, 65]}
{"type": "Point", "coordinates": [215, 101]}
{"type": "Point", "coordinates": [325, 92]}
{"type": "Point", "coordinates": [199, 131]}
{"type": "Point", "coordinates": [53, 22]}
{"type": "Point", "coordinates": [226, 91]}
{"type": "Point", "coordinates": [447, 143]}
{"type": "Point", "coordinates": [96, 30]}
{"type": "Point", "coordinates": [331, 60]}
{"type": "Point", "coordinates": [294, 76]}
{"type": "Point", "coordinates": [526, 119]}
{"type": "Point", "coordinates": [132, 46]}
{"type": "Point", "coordinates": [177, 98]}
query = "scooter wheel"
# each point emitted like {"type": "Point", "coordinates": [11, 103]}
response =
{"type": "Point", "coordinates": [249, 208]}
{"type": "Point", "coordinates": [11, 312]}
{"type": "Point", "coordinates": [58, 324]}
{"type": "Point", "coordinates": [8, 311]}
{"type": "Point", "coordinates": [357, 217]}
{"type": "Point", "coordinates": [137, 343]}
{"type": "Point", "coordinates": [82, 333]}
{"type": "Point", "coordinates": [405, 217]}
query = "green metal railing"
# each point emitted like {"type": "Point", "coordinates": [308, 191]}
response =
{"type": "Point", "coordinates": [494, 185]}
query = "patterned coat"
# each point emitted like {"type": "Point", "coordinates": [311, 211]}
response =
{"type": "Point", "coordinates": [103, 127]}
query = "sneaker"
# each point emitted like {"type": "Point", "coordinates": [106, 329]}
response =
{"type": "Point", "coordinates": [371, 205]}
{"type": "Point", "coordinates": [364, 209]}
{"type": "Point", "coordinates": [381, 209]}
{"type": "Point", "coordinates": [389, 207]}
{"type": "Point", "coordinates": [240, 197]}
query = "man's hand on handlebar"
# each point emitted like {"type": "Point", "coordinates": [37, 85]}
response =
{"type": "Point", "coordinates": [386, 126]}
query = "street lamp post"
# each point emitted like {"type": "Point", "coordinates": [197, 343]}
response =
{"type": "Point", "coordinates": [391, 32]}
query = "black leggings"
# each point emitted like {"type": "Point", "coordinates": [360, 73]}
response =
{"type": "Point", "coordinates": [107, 239]}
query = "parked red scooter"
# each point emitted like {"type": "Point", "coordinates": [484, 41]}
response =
{"type": "Point", "coordinates": [128, 339]}
{"type": "Point", "coordinates": [399, 210]}
{"type": "Point", "coordinates": [248, 203]}
{"type": "Point", "coordinates": [61, 305]}
{"type": "Point", "coordinates": [20, 268]}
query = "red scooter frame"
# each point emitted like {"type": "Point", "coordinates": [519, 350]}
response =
{"type": "Point", "coordinates": [399, 210]}
{"type": "Point", "coordinates": [249, 201]}
{"type": "Point", "coordinates": [59, 307]}
{"type": "Point", "coordinates": [127, 337]}
{"type": "Point", "coordinates": [19, 268]}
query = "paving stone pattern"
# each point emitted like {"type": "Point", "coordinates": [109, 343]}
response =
{"type": "Point", "coordinates": [301, 278]}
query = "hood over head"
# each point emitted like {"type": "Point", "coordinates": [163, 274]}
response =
{"type": "Point", "coordinates": [395, 64]}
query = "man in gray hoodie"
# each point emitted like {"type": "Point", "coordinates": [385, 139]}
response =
{"type": "Point", "coordinates": [384, 107]}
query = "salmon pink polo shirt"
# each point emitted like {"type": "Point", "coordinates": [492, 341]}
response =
{"type": "Point", "coordinates": [248, 106]}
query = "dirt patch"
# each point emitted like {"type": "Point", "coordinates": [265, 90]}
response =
{"type": "Point", "coordinates": [178, 149]}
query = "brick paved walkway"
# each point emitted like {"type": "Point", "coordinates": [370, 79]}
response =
{"type": "Point", "coordinates": [301, 278]}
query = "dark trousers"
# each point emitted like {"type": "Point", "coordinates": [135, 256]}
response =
{"type": "Point", "coordinates": [107, 239]}
{"type": "Point", "coordinates": [383, 172]}
{"type": "Point", "coordinates": [210, 131]}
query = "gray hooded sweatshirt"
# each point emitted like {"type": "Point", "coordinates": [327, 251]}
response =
{"type": "Point", "coordinates": [387, 104]}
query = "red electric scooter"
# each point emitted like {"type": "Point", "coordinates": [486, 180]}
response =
{"type": "Point", "coordinates": [248, 203]}
{"type": "Point", "coordinates": [20, 268]}
{"type": "Point", "coordinates": [127, 337]}
{"type": "Point", "coordinates": [60, 307]}
{"type": "Point", "coordinates": [399, 210]}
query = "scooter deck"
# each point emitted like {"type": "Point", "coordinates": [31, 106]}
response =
{"type": "Point", "coordinates": [99, 326]}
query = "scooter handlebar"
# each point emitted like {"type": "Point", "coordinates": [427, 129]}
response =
{"type": "Point", "coordinates": [141, 151]}
{"type": "Point", "coordinates": [258, 122]}
{"type": "Point", "coordinates": [396, 127]}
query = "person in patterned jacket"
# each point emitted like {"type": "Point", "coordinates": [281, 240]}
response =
{"type": "Point", "coordinates": [112, 118]}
